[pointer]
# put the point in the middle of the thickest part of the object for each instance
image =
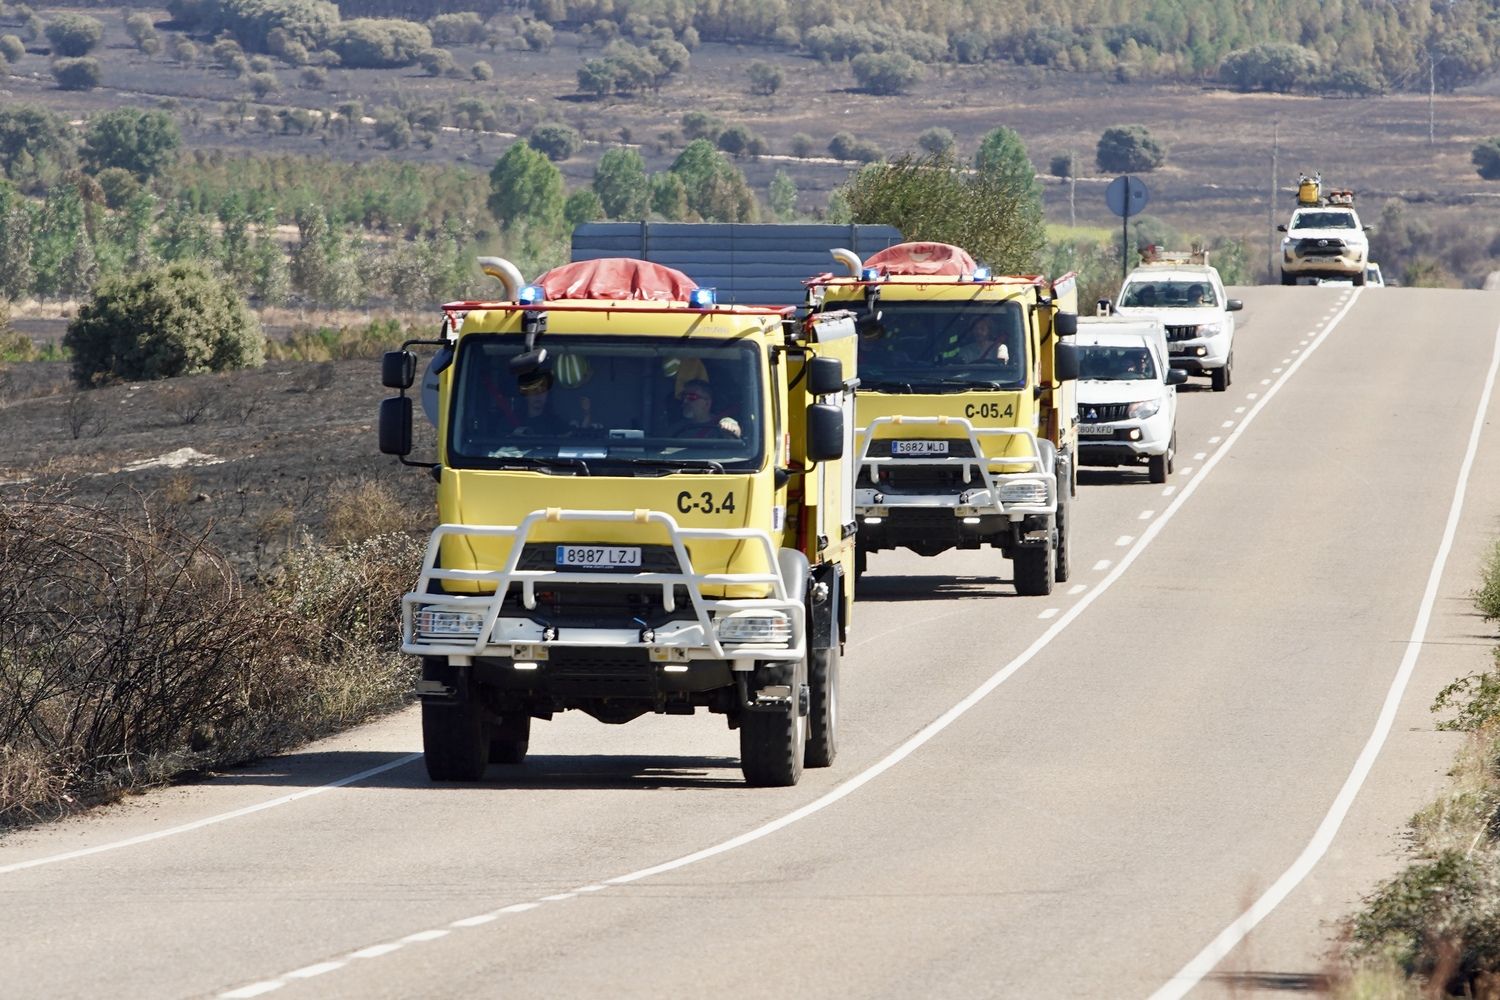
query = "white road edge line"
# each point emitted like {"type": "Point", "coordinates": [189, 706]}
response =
{"type": "Point", "coordinates": [146, 838]}
{"type": "Point", "coordinates": [1191, 974]}
{"type": "Point", "coordinates": [942, 722]}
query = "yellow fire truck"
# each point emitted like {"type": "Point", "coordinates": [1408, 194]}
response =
{"type": "Point", "coordinates": [967, 418]}
{"type": "Point", "coordinates": [646, 506]}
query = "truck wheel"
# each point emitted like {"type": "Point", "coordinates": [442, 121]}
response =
{"type": "Point", "coordinates": [822, 707]}
{"type": "Point", "coordinates": [455, 746]}
{"type": "Point", "coordinates": [1062, 566]}
{"type": "Point", "coordinates": [1221, 376]}
{"type": "Point", "coordinates": [1035, 567]}
{"type": "Point", "coordinates": [772, 742]}
{"type": "Point", "coordinates": [861, 559]}
{"type": "Point", "coordinates": [1158, 468]}
{"type": "Point", "coordinates": [1288, 279]}
{"type": "Point", "coordinates": [510, 739]}
{"type": "Point", "coordinates": [1359, 279]}
{"type": "Point", "coordinates": [1172, 453]}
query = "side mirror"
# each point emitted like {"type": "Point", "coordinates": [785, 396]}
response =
{"type": "Point", "coordinates": [395, 425]}
{"type": "Point", "coordinates": [1103, 307]}
{"type": "Point", "coordinates": [1065, 324]}
{"type": "Point", "coordinates": [1281, 228]}
{"type": "Point", "coordinates": [398, 369]}
{"type": "Point", "coordinates": [1233, 305]}
{"type": "Point", "coordinates": [825, 376]}
{"type": "Point", "coordinates": [825, 432]}
{"type": "Point", "coordinates": [1176, 376]}
{"type": "Point", "coordinates": [1369, 229]}
{"type": "Point", "coordinates": [1065, 365]}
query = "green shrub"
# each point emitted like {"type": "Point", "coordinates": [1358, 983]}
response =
{"type": "Point", "coordinates": [12, 48]}
{"type": "Point", "coordinates": [74, 34]}
{"type": "Point", "coordinates": [886, 72]}
{"type": "Point", "coordinates": [1129, 149]}
{"type": "Point", "coordinates": [378, 43]}
{"type": "Point", "coordinates": [1487, 598]}
{"type": "Point", "coordinates": [142, 142]}
{"type": "Point", "coordinates": [1486, 158]}
{"type": "Point", "coordinates": [169, 321]}
{"type": "Point", "coordinates": [1439, 915]}
{"type": "Point", "coordinates": [77, 74]}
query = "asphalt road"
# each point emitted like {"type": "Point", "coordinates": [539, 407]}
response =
{"type": "Point", "coordinates": [1080, 795]}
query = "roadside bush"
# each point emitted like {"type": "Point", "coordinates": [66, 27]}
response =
{"type": "Point", "coordinates": [263, 85]}
{"type": "Point", "coordinates": [141, 29]}
{"type": "Point", "coordinates": [168, 321]}
{"type": "Point", "coordinates": [1129, 149]}
{"type": "Point", "coordinates": [1279, 67]}
{"type": "Point", "coordinates": [74, 34]}
{"type": "Point", "coordinates": [437, 62]}
{"type": "Point", "coordinates": [12, 48]}
{"type": "Point", "coordinates": [537, 35]}
{"type": "Point", "coordinates": [841, 145]}
{"type": "Point", "coordinates": [1487, 598]}
{"type": "Point", "coordinates": [77, 74]}
{"type": "Point", "coordinates": [701, 125]}
{"type": "Point", "coordinates": [482, 71]}
{"type": "Point", "coordinates": [120, 641]}
{"type": "Point", "coordinates": [802, 145]}
{"type": "Point", "coordinates": [313, 77]}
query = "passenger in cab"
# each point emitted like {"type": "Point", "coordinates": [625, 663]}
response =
{"type": "Point", "coordinates": [698, 419]}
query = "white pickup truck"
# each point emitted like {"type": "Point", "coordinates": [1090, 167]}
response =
{"type": "Point", "coordinates": [1324, 241]}
{"type": "Point", "coordinates": [1189, 300]}
{"type": "Point", "coordinates": [1127, 395]}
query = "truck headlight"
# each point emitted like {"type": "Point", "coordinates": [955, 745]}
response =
{"type": "Point", "coordinates": [755, 626]}
{"type": "Point", "coordinates": [1209, 329]}
{"type": "Point", "coordinates": [1144, 409]}
{"type": "Point", "coordinates": [447, 623]}
{"type": "Point", "coordinates": [1024, 493]}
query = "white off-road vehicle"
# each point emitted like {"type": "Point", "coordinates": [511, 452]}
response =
{"type": "Point", "coordinates": [1127, 395]}
{"type": "Point", "coordinates": [1184, 292]}
{"type": "Point", "coordinates": [1324, 241]}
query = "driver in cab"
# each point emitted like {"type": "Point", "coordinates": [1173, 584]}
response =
{"type": "Point", "coordinates": [698, 419]}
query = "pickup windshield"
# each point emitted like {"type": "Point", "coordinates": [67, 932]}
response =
{"type": "Point", "coordinates": [607, 405]}
{"type": "Point", "coordinates": [1169, 294]}
{"type": "Point", "coordinates": [1323, 220]}
{"type": "Point", "coordinates": [945, 347]}
{"type": "Point", "coordinates": [1115, 364]}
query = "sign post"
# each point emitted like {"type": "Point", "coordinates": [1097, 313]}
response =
{"type": "Point", "coordinates": [1126, 196]}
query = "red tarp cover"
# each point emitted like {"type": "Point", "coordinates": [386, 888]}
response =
{"type": "Point", "coordinates": [617, 278]}
{"type": "Point", "coordinates": [923, 258]}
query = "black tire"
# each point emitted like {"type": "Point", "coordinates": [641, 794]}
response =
{"type": "Point", "coordinates": [1172, 454]}
{"type": "Point", "coordinates": [773, 743]}
{"type": "Point", "coordinates": [455, 743]}
{"type": "Point", "coordinates": [1157, 466]}
{"type": "Point", "coordinates": [1359, 279]}
{"type": "Point", "coordinates": [1288, 279]}
{"type": "Point", "coordinates": [861, 559]}
{"type": "Point", "coordinates": [1221, 376]}
{"type": "Point", "coordinates": [510, 740]}
{"type": "Point", "coordinates": [822, 707]}
{"type": "Point", "coordinates": [1062, 564]}
{"type": "Point", "coordinates": [1035, 567]}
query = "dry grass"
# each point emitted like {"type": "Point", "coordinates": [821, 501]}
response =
{"type": "Point", "coordinates": [130, 652]}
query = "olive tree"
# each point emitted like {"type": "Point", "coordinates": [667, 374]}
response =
{"type": "Point", "coordinates": [74, 34]}
{"type": "Point", "coordinates": [173, 320]}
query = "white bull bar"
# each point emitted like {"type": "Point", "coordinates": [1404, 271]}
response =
{"type": "Point", "coordinates": [497, 636]}
{"type": "Point", "coordinates": [985, 501]}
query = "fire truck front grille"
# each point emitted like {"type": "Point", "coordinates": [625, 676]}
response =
{"type": "Point", "coordinates": [1182, 332]}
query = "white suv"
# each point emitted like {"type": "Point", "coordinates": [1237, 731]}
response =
{"type": "Point", "coordinates": [1127, 396]}
{"type": "Point", "coordinates": [1189, 300]}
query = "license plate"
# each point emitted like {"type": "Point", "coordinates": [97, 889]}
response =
{"type": "Point", "coordinates": [599, 556]}
{"type": "Point", "coordinates": [1095, 430]}
{"type": "Point", "coordinates": [919, 448]}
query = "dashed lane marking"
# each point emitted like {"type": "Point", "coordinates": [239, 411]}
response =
{"type": "Point", "coordinates": [1124, 540]}
{"type": "Point", "coordinates": [1078, 588]}
{"type": "Point", "coordinates": [1049, 613]}
{"type": "Point", "coordinates": [1102, 565]}
{"type": "Point", "coordinates": [1147, 515]}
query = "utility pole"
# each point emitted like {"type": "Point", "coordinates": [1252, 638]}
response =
{"type": "Point", "coordinates": [1072, 188]}
{"type": "Point", "coordinates": [1275, 155]}
{"type": "Point", "coordinates": [1431, 95]}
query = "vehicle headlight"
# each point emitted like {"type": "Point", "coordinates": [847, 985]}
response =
{"type": "Point", "coordinates": [1024, 493]}
{"type": "Point", "coordinates": [755, 626]}
{"type": "Point", "coordinates": [1209, 329]}
{"type": "Point", "coordinates": [432, 622]}
{"type": "Point", "coordinates": [1145, 408]}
